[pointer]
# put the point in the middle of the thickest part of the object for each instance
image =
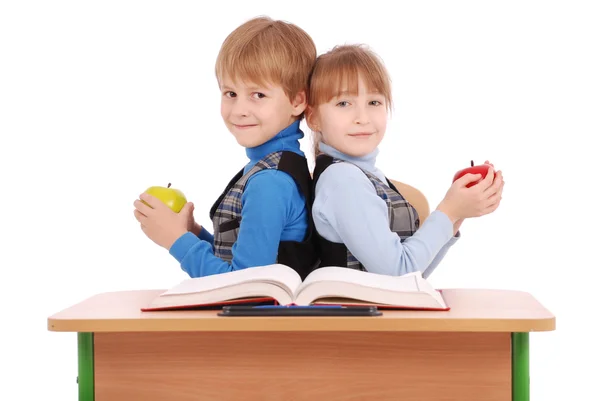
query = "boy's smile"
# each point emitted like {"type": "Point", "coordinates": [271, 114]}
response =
{"type": "Point", "coordinates": [238, 126]}
{"type": "Point", "coordinates": [254, 113]}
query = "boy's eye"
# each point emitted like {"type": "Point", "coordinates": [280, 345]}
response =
{"type": "Point", "coordinates": [343, 103]}
{"type": "Point", "coordinates": [230, 94]}
{"type": "Point", "coordinates": [375, 103]}
{"type": "Point", "coordinates": [259, 95]}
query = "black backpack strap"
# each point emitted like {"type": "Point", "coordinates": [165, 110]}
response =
{"type": "Point", "coordinates": [322, 161]}
{"type": "Point", "coordinates": [302, 256]}
{"type": "Point", "coordinates": [331, 253]}
{"type": "Point", "coordinates": [297, 167]}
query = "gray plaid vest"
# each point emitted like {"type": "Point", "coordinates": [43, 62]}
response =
{"type": "Point", "coordinates": [226, 213]}
{"type": "Point", "coordinates": [403, 218]}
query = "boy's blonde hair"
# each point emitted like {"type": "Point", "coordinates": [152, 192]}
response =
{"type": "Point", "coordinates": [266, 51]}
{"type": "Point", "coordinates": [338, 70]}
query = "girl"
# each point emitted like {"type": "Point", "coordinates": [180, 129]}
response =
{"type": "Point", "coordinates": [362, 221]}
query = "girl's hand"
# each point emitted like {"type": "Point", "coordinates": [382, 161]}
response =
{"type": "Point", "coordinates": [483, 198]}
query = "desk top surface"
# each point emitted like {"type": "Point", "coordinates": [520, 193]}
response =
{"type": "Point", "coordinates": [471, 310]}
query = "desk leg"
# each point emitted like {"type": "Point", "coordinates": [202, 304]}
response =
{"type": "Point", "coordinates": [520, 366]}
{"type": "Point", "coordinates": [85, 378]}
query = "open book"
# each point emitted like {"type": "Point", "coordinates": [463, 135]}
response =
{"type": "Point", "coordinates": [281, 284]}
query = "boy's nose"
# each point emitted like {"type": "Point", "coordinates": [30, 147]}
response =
{"type": "Point", "coordinates": [240, 108]}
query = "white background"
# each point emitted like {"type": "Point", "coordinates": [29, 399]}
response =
{"type": "Point", "coordinates": [99, 100]}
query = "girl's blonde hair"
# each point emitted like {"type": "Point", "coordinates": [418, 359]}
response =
{"type": "Point", "coordinates": [338, 70]}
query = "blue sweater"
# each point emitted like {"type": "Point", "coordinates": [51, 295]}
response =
{"type": "Point", "coordinates": [273, 210]}
{"type": "Point", "coordinates": [348, 210]}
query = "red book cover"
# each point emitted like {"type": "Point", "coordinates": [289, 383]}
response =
{"type": "Point", "coordinates": [216, 305]}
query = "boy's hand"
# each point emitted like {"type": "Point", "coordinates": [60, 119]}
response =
{"type": "Point", "coordinates": [483, 198]}
{"type": "Point", "coordinates": [192, 226]}
{"type": "Point", "coordinates": [195, 228]}
{"type": "Point", "coordinates": [160, 223]}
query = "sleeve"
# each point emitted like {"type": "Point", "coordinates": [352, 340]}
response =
{"type": "Point", "coordinates": [440, 256]}
{"type": "Point", "coordinates": [359, 217]}
{"type": "Point", "coordinates": [265, 206]}
{"type": "Point", "coordinates": [206, 236]}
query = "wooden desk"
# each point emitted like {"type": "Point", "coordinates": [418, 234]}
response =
{"type": "Point", "coordinates": [477, 351]}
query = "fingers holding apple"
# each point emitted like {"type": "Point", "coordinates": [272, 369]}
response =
{"type": "Point", "coordinates": [475, 191]}
{"type": "Point", "coordinates": [164, 214]}
{"type": "Point", "coordinates": [191, 221]}
{"type": "Point", "coordinates": [493, 203]}
{"type": "Point", "coordinates": [142, 207]}
{"type": "Point", "coordinates": [467, 180]}
{"type": "Point", "coordinates": [150, 203]}
{"type": "Point", "coordinates": [488, 179]}
{"type": "Point", "coordinates": [497, 185]}
{"type": "Point", "coordinates": [187, 212]}
{"type": "Point", "coordinates": [494, 195]}
{"type": "Point", "coordinates": [483, 170]}
{"type": "Point", "coordinates": [139, 216]}
{"type": "Point", "coordinates": [497, 174]}
{"type": "Point", "coordinates": [494, 200]}
{"type": "Point", "coordinates": [173, 198]}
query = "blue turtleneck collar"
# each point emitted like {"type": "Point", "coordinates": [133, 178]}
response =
{"type": "Point", "coordinates": [287, 139]}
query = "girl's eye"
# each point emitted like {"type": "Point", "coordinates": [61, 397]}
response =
{"type": "Point", "coordinates": [375, 103]}
{"type": "Point", "coordinates": [230, 94]}
{"type": "Point", "coordinates": [259, 95]}
{"type": "Point", "coordinates": [343, 103]}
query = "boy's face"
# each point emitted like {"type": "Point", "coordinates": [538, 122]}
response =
{"type": "Point", "coordinates": [354, 125]}
{"type": "Point", "coordinates": [254, 114]}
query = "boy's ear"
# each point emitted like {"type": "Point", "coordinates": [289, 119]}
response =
{"type": "Point", "coordinates": [299, 103]}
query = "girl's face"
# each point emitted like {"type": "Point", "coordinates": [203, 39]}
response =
{"type": "Point", "coordinates": [352, 124]}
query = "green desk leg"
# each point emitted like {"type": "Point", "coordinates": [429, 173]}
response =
{"type": "Point", "coordinates": [85, 379]}
{"type": "Point", "coordinates": [520, 366]}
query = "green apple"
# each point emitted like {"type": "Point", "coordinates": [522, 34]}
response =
{"type": "Point", "coordinates": [171, 197]}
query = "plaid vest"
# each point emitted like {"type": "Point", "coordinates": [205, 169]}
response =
{"type": "Point", "coordinates": [403, 218]}
{"type": "Point", "coordinates": [226, 212]}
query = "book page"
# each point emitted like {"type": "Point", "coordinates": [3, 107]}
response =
{"type": "Point", "coordinates": [350, 293]}
{"type": "Point", "coordinates": [279, 275]}
{"type": "Point", "coordinates": [249, 291]}
{"type": "Point", "coordinates": [408, 282]}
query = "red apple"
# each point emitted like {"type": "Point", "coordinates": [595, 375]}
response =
{"type": "Point", "coordinates": [480, 169]}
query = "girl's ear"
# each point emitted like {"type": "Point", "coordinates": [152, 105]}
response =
{"type": "Point", "coordinates": [312, 119]}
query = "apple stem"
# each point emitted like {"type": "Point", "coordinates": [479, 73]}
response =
{"type": "Point", "coordinates": [472, 164]}
{"type": "Point", "coordinates": [169, 186]}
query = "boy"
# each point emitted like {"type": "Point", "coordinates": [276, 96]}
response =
{"type": "Point", "coordinates": [263, 215]}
